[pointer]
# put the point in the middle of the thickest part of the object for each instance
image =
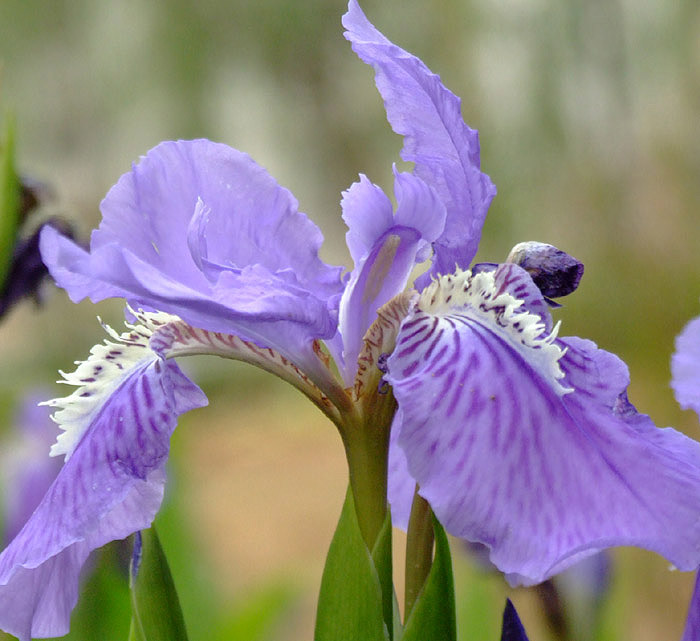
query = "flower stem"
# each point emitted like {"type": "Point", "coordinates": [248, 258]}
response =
{"type": "Point", "coordinates": [419, 550]}
{"type": "Point", "coordinates": [367, 455]}
{"type": "Point", "coordinates": [365, 436]}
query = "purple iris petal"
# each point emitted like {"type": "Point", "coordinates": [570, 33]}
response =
{"type": "Point", "coordinates": [685, 381]}
{"type": "Point", "coordinates": [685, 367]}
{"type": "Point", "coordinates": [199, 230]}
{"type": "Point", "coordinates": [444, 149]}
{"type": "Point", "coordinates": [385, 247]}
{"type": "Point", "coordinates": [110, 486]}
{"type": "Point", "coordinates": [504, 427]}
{"type": "Point", "coordinates": [401, 485]}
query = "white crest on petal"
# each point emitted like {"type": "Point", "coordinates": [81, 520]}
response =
{"type": "Point", "coordinates": [96, 378]}
{"type": "Point", "coordinates": [477, 297]}
{"type": "Point", "coordinates": [154, 336]}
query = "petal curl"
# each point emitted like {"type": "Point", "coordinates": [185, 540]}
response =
{"type": "Point", "coordinates": [504, 439]}
{"type": "Point", "coordinates": [385, 247]}
{"type": "Point", "coordinates": [685, 367]}
{"type": "Point", "coordinates": [195, 228]}
{"type": "Point", "coordinates": [444, 149]}
{"type": "Point", "coordinates": [110, 486]}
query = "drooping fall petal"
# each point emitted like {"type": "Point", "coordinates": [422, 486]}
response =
{"type": "Point", "coordinates": [503, 426]}
{"type": "Point", "coordinates": [117, 428]}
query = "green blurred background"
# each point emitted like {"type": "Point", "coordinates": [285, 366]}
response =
{"type": "Point", "coordinates": [588, 112]}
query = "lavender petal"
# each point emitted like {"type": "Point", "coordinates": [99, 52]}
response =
{"type": "Point", "coordinates": [504, 426]}
{"type": "Point", "coordinates": [685, 367]}
{"type": "Point", "coordinates": [110, 486]}
{"type": "Point", "coordinates": [385, 247]}
{"type": "Point", "coordinates": [444, 149]}
{"type": "Point", "coordinates": [200, 230]}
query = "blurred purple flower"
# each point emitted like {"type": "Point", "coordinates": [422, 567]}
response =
{"type": "Point", "coordinates": [26, 270]}
{"type": "Point", "coordinates": [685, 381]}
{"type": "Point", "coordinates": [26, 470]}
{"type": "Point", "coordinates": [503, 425]}
{"type": "Point", "coordinates": [685, 367]}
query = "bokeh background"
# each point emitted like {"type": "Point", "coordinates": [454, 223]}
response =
{"type": "Point", "coordinates": [588, 112]}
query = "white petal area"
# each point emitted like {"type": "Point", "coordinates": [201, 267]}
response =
{"type": "Point", "coordinates": [108, 367]}
{"type": "Point", "coordinates": [490, 299]}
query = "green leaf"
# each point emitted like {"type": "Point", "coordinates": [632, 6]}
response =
{"type": "Point", "coordinates": [155, 608]}
{"type": "Point", "coordinates": [350, 605]}
{"type": "Point", "coordinates": [9, 200]}
{"type": "Point", "coordinates": [433, 617]}
{"type": "Point", "coordinates": [382, 558]}
{"type": "Point", "coordinates": [103, 607]}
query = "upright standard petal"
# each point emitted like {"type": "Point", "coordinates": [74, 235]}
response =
{"type": "Point", "coordinates": [504, 426]}
{"type": "Point", "coordinates": [385, 247]}
{"type": "Point", "coordinates": [444, 149]}
{"type": "Point", "coordinates": [199, 230]}
{"type": "Point", "coordinates": [117, 427]}
{"type": "Point", "coordinates": [685, 367]}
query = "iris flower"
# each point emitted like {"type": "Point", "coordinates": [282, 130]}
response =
{"type": "Point", "coordinates": [685, 371]}
{"type": "Point", "coordinates": [518, 439]}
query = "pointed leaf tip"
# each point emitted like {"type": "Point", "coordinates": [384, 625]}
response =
{"type": "Point", "coordinates": [156, 613]}
{"type": "Point", "coordinates": [350, 600]}
{"type": "Point", "coordinates": [513, 629]}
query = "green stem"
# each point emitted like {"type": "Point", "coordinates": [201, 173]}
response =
{"type": "Point", "coordinates": [367, 455]}
{"type": "Point", "coordinates": [365, 435]}
{"type": "Point", "coordinates": [419, 550]}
